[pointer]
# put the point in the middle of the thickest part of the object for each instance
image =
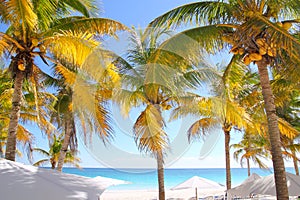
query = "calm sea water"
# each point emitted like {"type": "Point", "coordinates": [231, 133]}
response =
{"type": "Point", "coordinates": [147, 179]}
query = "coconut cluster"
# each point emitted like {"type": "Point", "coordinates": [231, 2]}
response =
{"type": "Point", "coordinates": [254, 49]}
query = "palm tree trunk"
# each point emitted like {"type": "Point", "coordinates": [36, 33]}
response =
{"type": "Point", "coordinates": [227, 158]}
{"type": "Point", "coordinates": [295, 161]}
{"type": "Point", "coordinates": [248, 167]}
{"type": "Point", "coordinates": [10, 152]}
{"type": "Point", "coordinates": [160, 175]}
{"type": "Point", "coordinates": [64, 148]}
{"type": "Point", "coordinates": [1, 151]}
{"type": "Point", "coordinates": [274, 134]}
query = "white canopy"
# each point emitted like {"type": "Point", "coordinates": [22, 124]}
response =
{"type": "Point", "coordinates": [241, 190]}
{"type": "Point", "coordinates": [20, 181]}
{"type": "Point", "coordinates": [199, 183]}
{"type": "Point", "coordinates": [265, 186]}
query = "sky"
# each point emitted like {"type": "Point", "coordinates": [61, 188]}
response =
{"type": "Point", "coordinates": [122, 152]}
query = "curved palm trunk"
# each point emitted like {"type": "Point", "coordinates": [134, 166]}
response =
{"type": "Point", "coordinates": [10, 152]}
{"type": "Point", "coordinates": [69, 127]}
{"type": "Point", "coordinates": [295, 161]}
{"type": "Point", "coordinates": [227, 158]}
{"type": "Point", "coordinates": [248, 167]}
{"type": "Point", "coordinates": [160, 175]}
{"type": "Point", "coordinates": [274, 134]}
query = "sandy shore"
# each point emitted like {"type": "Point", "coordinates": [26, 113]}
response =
{"type": "Point", "coordinates": [184, 194]}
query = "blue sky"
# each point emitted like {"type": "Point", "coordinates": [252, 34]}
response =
{"type": "Point", "coordinates": [209, 154]}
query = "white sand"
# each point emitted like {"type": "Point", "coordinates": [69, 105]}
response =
{"type": "Point", "coordinates": [185, 194]}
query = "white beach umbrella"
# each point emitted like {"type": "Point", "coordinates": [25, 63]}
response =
{"type": "Point", "coordinates": [199, 183]}
{"type": "Point", "coordinates": [266, 186]}
{"type": "Point", "coordinates": [241, 190]}
{"type": "Point", "coordinates": [19, 181]}
{"type": "Point", "coordinates": [203, 187]}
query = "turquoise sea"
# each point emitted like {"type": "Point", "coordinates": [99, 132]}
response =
{"type": "Point", "coordinates": [147, 178]}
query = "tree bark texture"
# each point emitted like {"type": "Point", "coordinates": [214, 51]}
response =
{"type": "Point", "coordinates": [10, 153]}
{"type": "Point", "coordinates": [273, 131]}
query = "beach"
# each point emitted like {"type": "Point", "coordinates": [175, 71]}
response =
{"type": "Point", "coordinates": [184, 194]}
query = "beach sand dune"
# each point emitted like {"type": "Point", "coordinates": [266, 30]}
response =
{"type": "Point", "coordinates": [184, 194]}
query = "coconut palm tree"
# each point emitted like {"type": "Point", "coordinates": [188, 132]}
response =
{"type": "Point", "coordinates": [53, 154]}
{"type": "Point", "coordinates": [259, 31]}
{"type": "Point", "coordinates": [28, 112]}
{"type": "Point", "coordinates": [45, 29]}
{"type": "Point", "coordinates": [221, 109]}
{"type": "Point", "coordinates": [92, 118]}
{"type": "Point", "coordinates": [152, 80]}
{"type": "Point", "coordinates": [251, 147]}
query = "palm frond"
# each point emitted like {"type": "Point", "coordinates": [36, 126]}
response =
{"type": "Point", "coordinates": [69, 76]}
{"type": "Point", "coordinates": [188, 43]}
{"type": "Point", "coordinates": [286, 129]}
{"type": "Point", "coordinates": [210, 11]}
{"type": "Point", "coordinates": [21, 11]}
{"type": "Point", "coordinates": [80, 46]}
{"type": "Point", "coordinates": [82, 24]}
{"type": "Point", "coordinates": [41, 162]}
{"type": "Point", "coordinates": [3, 11]}
{"type": "Point", "coordinates": [82, 6]}
{"type": "Point", "coordinates": [201, 128]}
{"type": "Point", "coordinates": [148, 131]}
{"type": "Point", "coordinates": [23, 135]}
{"type": "Point", "coordinates": [41, 151]}
{"type": "Point", "coordinates": [128, 99]}
{"type": "Point", "coordinates": [277, 35]}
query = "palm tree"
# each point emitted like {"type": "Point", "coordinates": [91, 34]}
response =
{"type": "Point", "coordinates": [251, 147]}
{"type": "Point", "coordinates": [28, 112]}
{"type": "Point", "coordinates": [258, 32]}
{"type": "Point", "coordinates": [93, 118]}
{"type": "Point", "coordinates": [222, 109]}
{"type": "Point", "coordinates": [152, 80]}
{"type": "Point", "coordinates": [46, 29]}
{"type": "Point", "coordinates": [54, 152]}
{"type": "Point", "coordinates": [291, 148]}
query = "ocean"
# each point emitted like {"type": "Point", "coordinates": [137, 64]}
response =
{"type": "Point", "coordinates": [147, 179]}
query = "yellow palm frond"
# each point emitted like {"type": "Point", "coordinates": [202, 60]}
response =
{"type": "Point", "coordinates": [128, 99]}
{"type": "Point", "coordinates": [69, 76]}
{"type": "Point", "coordinates": [148, 131]}
{"type": "Point", "coordinates": [23, 135]}
{"type": "Point", "coordinates": [286, 129]}
{"type": "Point", "coordinates": [201, 127]}
{"type": "Point", "coordinates": [71, 47]}
{"type": "Point", "coordinates": [100, 26]}
{"type": "Point", "coordinates": [21, 11]}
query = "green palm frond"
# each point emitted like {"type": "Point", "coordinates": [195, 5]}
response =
{"type": "Point", "coordinates": [218, 12]}
{"type": "Point", "coordinates": [187, 43]}
{"type": "Point", "coordinates": [148, 131]}
{"type": "Point", "coordinates": [41, 151]}
{"type": "Point", "coordinates": [41, 162]}
{"type": "Point", "coordinates": [82, 24]}
{"type": "Point", "coordinates": [46, 11]}
{"type": "Point", "coordinates": [201, 128]}
{"type": "Point", "coordinates": [82, 6]}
